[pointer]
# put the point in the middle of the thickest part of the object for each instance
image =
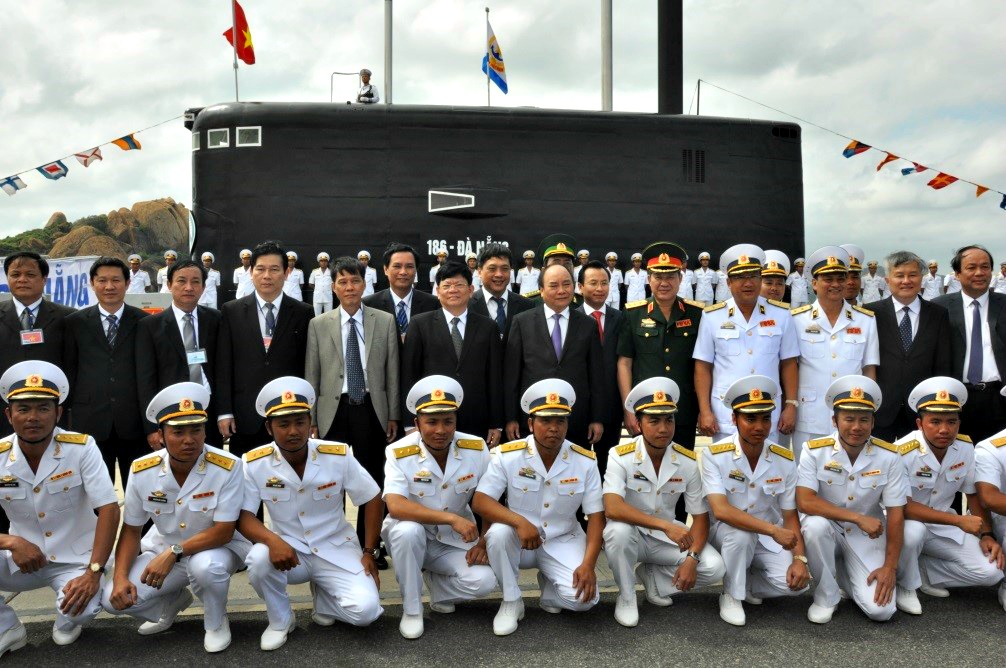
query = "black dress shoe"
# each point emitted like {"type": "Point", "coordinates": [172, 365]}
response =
{"type": "Point", "coordinates": [382, 562]}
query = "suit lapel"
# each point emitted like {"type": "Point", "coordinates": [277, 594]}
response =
{"type": "Point", "coordinates": [543, 324]}
{"type": "Point", "coordinates": [169, 327]}
{"type": "Point", "coordinates": [335, 331]}
{"type": "Point", "coordinates": [368, 332]}
{"type": "Point", "coordinates": [97, 328]}
{"type": "Point", "coordinates": [251, 319]}
{"type": "Point", "coordinates": [9, 316]}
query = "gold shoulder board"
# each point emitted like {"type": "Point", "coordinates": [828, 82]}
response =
{"type": "Point", "coordinates": [471, 443]}
{"type": "Point", "coordinates": [219, 460]}
{"type": "Point", "coordinates": [998, 442]}
{"type": "Point", "coordinates": [626, 448]}
{"type": "Point", "coordinates": [864, 311]}
{"type": "Point", "coordinates": [530, 295]}
{"type": "Point", "coordinates": [5, 446]}
{"type": "Point", "coordinates": [333, 448]}
{"type": "Point", "coordinates": [816, 443]}
{"type": "Point", "coordinates": [583, 451]}
{"type": "Point", "coordinates": [636, 304]}
{"type": "Point", "coordinates": [776, 302]}
{"type": "Point", "coordinates": [257, 453]}
{"type": "Point", "coordinates": [965, 438]}
{"type": "Point", "coordinates": [406, 451]}
{"type": "Point", "coordinates": [146, 463]}
{"type": "Point", "coordinates": [722, 447]}
{"type": "Point", "coordinates": [692, 302]}
{"type": "Point", "coordinates": [905, 448]}
{"type": "Point", "coordinates": [801, 309]}
{"type": "Point", "coordinates": [786, 453]}
{"type": "Point", "coordinates": [76, 439]}
{"type": "Point", "coordinates": [682, 450]}
{"type": "Point", "coordinates": [513, 446]}
{"type": "Point", "coordinates": [883, 444]}
{"type": "Point", "coordinates": [714, 307]}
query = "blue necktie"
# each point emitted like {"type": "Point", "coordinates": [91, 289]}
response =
{"type": "Point", "coordinates": [355, 384]}
{"type": "Point", "coordinates": [402, 319]}
{"type": "Point", "coordinates": [905, 328]}
{"type": "Point", "coordinates": [113, 329]}
{"type": "Point", "coordinates": [975, 362]}
{"type": "Point", "coordinates": [27, 319]}
{"type": "Point", "coordinates": [557, 337]}
{"type": "Point", "coordinates": [270, 320]}
{"type": "Point", "coordinates": [500, 314]}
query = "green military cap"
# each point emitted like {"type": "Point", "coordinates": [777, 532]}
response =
{"type": "Point", "coordinates": [664, 257]}
{"type": "Point", "coordinates": [557, 244]}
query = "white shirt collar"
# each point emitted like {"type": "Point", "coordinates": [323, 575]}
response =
{"type": "Point", "coordinates": [450, 316]}
{"type": "Point", "coordinates": [19, 307]}
{"type": "Point", "coordinates": [407, 299]}
{"type": "Point", "coordinates": [590, 310]}
{"type": "Point", "coordinates": [358, 316]}
{"type": "Point", "coordinates": [179, 313]}
{"type": "Point", "coordinates": [982, 299]}
{"type": "Point", "coordinates": [262, 302]}
{"type": "Point", "coordinates": [915, 306]}
{"type": "Point", "coordinates": [117, 314]}
{"type": "Point", "coordinates": [488, 296]}
{"type": "Point", "coordinates": [549, 313]}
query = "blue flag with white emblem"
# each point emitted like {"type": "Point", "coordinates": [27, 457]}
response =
{"type": "Point", "coordinates": [492, 62]}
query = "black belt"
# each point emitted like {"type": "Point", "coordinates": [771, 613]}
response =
{"type": "Point", "coordinates": [983, 387]}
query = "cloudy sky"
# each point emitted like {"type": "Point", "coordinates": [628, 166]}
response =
{"type": "Point", "coordinates": [921, 79]}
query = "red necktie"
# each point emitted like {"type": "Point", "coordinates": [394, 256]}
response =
{"type": "Point", "coordinates": [600, 330]}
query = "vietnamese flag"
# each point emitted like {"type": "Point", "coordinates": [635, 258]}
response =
{"type": "Point", "coordinates": [244, 48]}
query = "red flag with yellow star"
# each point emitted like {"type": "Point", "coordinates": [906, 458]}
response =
{"type": "Point", "coordinates": [245, 49]}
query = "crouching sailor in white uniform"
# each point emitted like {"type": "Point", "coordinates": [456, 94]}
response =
{"type": "Point", "coordinates": [192, 492]}
{"type": "Point", "coordinates": [546, 479]}
{"type": "Point", "coordinates": [301, 481]}
{"type": "Point", "coordinates": [52, 482]}
{"type": "Point", "coordinates": [852, 491]}
{"type": "Point", "coordinates": [957, 550]}
{"type": "Point", "coordinates": [644, 479]}
{"type": "Point", "coordinates": [429, 479]}
{"type": "Point", "coordinates": [750, 486]}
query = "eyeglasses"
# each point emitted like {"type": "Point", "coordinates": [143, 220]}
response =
{"type": "Point", "coordinates": [452, 285]}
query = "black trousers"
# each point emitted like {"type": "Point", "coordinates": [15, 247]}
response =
{"type": "Point", "coordinates": [903, 423]}
{"type": "Point", "coordinates": [118, 453]}
{"type": "Point", "coordinates": [985, 412]}
{"type": "Point", "coordinates": [359, 427]}
{"type": "Point", "coordinates": [242, 443]}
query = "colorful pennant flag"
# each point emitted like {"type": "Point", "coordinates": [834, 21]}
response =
{"type": "Point", "coordinates": [128, 143]}
{"type": "Point", "coordinates": [87, 157]}
{"type": "Point", "coordinates": [890, 157]}
{"type": "Point", "coordinates": [492, 62]}
{"type": "Point", "coordinates": [244, 48]}
{"type": "Point", "coordinates": [980, 190]}
{"type": "Point", "coordinates": [913, 170]}
{"type": "Point", "coordinates": [941, 180]}
{"type": "Point", "coordinates": [855, 148]}
{"type": "Point", "coordinates": [12, 184]}
{"type": "Point", "coordinates": [54, 170]}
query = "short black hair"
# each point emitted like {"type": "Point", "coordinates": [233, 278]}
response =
{"type": "Point", "coordinates": [185, 264]}
{"type": "Point", "coordinates": [398, 247]}
{"type": "Point", "coordinates": [955, 263]}
{"type": "Point", "coordinates": [593, 264]}
{"type": "Point", "coordinates": [268, 248]}
{"type": "Point", "coordinates": [43, 266]}
{"type": "Point", "coordinates": [453, 268]}
{"type": "Point", "coordinates": [541, 274]}
{"type": "Point", "coordinates": [107, 261]}
{"type": "Point", "coordinates": [495, 249]}
{"type": "Point", "coordinates": [347, 265]}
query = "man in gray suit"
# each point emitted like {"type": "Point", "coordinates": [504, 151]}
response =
{"type": "Point", "coordinates": [352, 362]}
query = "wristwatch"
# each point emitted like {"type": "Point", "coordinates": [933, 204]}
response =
{"type": "Point", "coordinates": [793, 402]}
{"type": "Point", "coordinates": [800, 557]}
{"type": "Point", "coordinates": [177, 551]}
{"type": "Point", "coordinates": [695, 556]}
{"type": "Point", "coordinates": [372, 551]}
{"type": "Point", "coordinates": [95, 567]}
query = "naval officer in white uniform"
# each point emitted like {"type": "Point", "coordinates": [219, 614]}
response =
{"type": "Point", "coordinates": [192, 492]}
{"type": "Point", "coordinates": [302, 482]}
{"type": "Point", "coordinates": [209, 296]}
{"type": "Point", "coordinates": [139, 279]}
{"type": "Point", "coordinates": [429, 479]}
{"type": "Point", "coordinates": [705, 281]}
{"type": "Point", "coordinates": [642, 484]}
{"type": "Point", "coordinates": [546, 479]}
{"type": "Point", "coordinates": [242, 276]}
{"type": "Point", "coordinates": [170, 257]}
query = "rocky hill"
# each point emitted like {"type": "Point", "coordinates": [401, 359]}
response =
{"type": "Point", "coordinates": [147, 228]}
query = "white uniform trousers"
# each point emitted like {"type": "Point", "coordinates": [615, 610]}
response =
{"type": "Point", "coordinates": [322, 307]}
{"type": "Point", "coordinates": [507, 558]}
{"type": "Point", "coordinates": [349, 597]}
{"type": "Point", "coordinates": [835, 563]}
{"type": "Point", "coordinates": [625, 546]}
{"type": "Point", "coordinates": [951, 564]}
{"type": "Point", "coordinates": [208, 573]}
{"type": "Point", "coordinates": [799, 438]}
{"type": "Point", "coordinates": [750, 565]}
{"type": "Point", "coordinates": [54, 576]}
{"type": "Point", "coordinates": [451, 578]}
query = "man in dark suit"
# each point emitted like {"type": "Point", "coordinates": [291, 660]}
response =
{"type": "Point", "coordinates": [495, 266]}
{"type": "Point", "coordinates": [100, 362]}
{"type": "Point", "coordinates": [911, 350]}
{"type": "Point", "coordinates": [453, 341]}
{"type": "Point", "coordinates": [262, 336]}
{"type": "Point", "coordinates": [30, 327]}
{"type": "Point", "coordinates": [554, 341]}
{"type": "Point", "coordinates": [167, 341]}
{"type": "Point", "coordinates": [401, 299]}
{"type": "Point", "coordinates": [978, 344]}
{"type": "Point", "coordinates": [594, 281]}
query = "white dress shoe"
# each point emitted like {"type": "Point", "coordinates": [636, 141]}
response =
{"type": "Point", "coordinates": [751, 598]}
{"type": "Point", "coordinates": [626, 612]}
{"type": "Point", "coordinates": [13, 639]}
{"type": "Point", "coordinates": [650, 587]}
{"type": "Point", "coordinates": [929, 589]}
{"type": "Point", "coordinates": [544, 584]}
{"type": "Point", "coordinates": [317, 617]}
{"type": "Point", "coordinates": [505, 621]}
{"type": "Point", "coordinates": [411, 626]}
{"type": "Point", "coordinates": [444, 608]}
{"type": "Point", "coordinates": [65, 637]}
{"type": "Point", "coordinates": [907, 601]}
{"type": "Point", "coordinates": [732, 610]}
{"type": "Point", "coordinates": [820, 614]}
{"type": "Point", "coordinates": [272, 639]}
{"type": "Point", "coordinates": [182, 601]}
{"type": "Point", "coordinates": [218, 640]}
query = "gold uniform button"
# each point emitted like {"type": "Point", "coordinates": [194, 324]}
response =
{"type": "Point", "coordinates": [546, 505]}
{"type": "Point", "coordinates": [444, 486]}
{"type": "Point", "coordinates": [686, 333]}
{"type": "Point", "coordinates": [204, 509]}
{"type": "Point", "coordinates": [850, 498]}
{"type": "Point", "coordinates": [300, 491]}
{"type": "Point", "coordinates": [301, 513]}
{"type": "Point", "coordinates": [422, 494]}
{"type": "Point", "coordinates": [667, 350]}
{"type": "Point", "coordinates": [834, 337]}
{"type": "Point", "coordinates": [548, 483]}
{"type": "Point", "coordinates": [848, 530]}
{"type": "Point", "coordinates": [852, 477]}
{"type": "Point", "coordinates": [834, 375]}
{"type": "Point", "coordinates": [307, 533]}
{"type": "Point", "coordinates": [750, 333]}
{"type": "Point", "coordinates": [48, 534]}
{"type": "Point", "coordinates": [834, 355]}
{"type": "Point", "coordinates": [445, 509]}
{"type": "Point", "coordinates": [667, 368]}
{"type": "Point", "coordinates": [544, 524]}
{"type": "Point", "coordinates": [179, 502]}
{"type": "Point", "coordinates": [157, 512]}
{"type": "Point", "coordinates": [36, 490]}
{"type": "Point", "coordinates": [52, 557]}
{"type": "Point", "coordinates": [41, 515]}
{"type": "Point", "coordinates": [314, 549]}
{"type": "Point", "coordinates": [182, 525]}
{"type": "Point", "coordinates": [752, 485]}
{"type": "Point", "coordinates": [66, 489]}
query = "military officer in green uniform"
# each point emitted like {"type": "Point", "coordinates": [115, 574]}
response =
{"type": "Point", "coordinates": [555, 249]}
{"type": "Point", "coordinates": [659, 336]}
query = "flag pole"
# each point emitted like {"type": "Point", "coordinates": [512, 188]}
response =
{"type": "Point", "coordinates": [488, 65]}
{"type": "Point", "coordinates": [234, 39]}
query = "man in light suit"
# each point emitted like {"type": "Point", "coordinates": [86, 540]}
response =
{"type": "Point", "coordinates": [352, 363]}
{"type": "Point", "coordinates": [910, 352]}
{"type": "Point", "coordinates": [165, 344]}
{"type": "Point", "coordinates": [468, 350]}
{"type": "Point", "coordinates": [495, 266]}
{"type": "Point", "coordinates": [401, 299]}
{"type": "Point", "coordinates": [978, 353]}
{"type": "Point", "coordinates": [555, 341]}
